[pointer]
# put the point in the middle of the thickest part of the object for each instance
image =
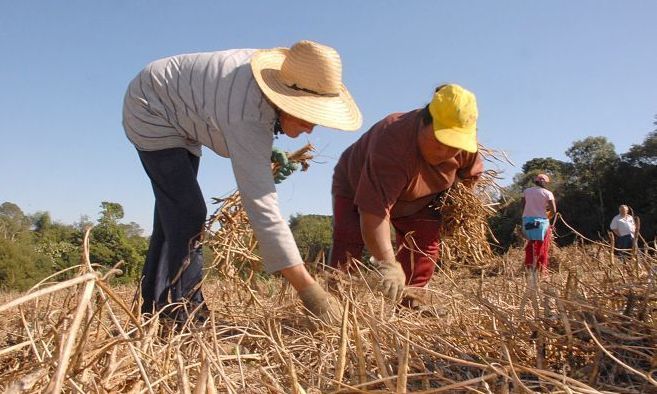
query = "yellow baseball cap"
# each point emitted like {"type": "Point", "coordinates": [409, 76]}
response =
{"type": "Point", "coordinates": [454, 112]}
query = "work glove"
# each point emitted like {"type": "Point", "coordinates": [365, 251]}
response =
{"type": "Point", "coordinates": [393, 281]}
{"type": "Point", "coordinates": [285, 167]}
{"type": "Point", "coordinates": [320, 305]}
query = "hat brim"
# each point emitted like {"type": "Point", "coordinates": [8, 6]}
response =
{"type": "Point", "coordinates": [337, 112]}
{"type": "Point", "coordinates": [460, 138]}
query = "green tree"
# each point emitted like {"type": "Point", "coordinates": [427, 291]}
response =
{"type": "Point", "coordinates": [42, 222]}
{"type": "Point", "coordinates": [84, 223]}
{"type": "Point", "coordinates": [21, 266]}
{"type": "Point", "coordinates": [112, 242]}
{"type": "Point", "coordinates": [34, 246]}
{"type": "Point", "coordinates": [593, 158]}
{"type": "Point", "coordinates": [558, 171]}
{"type": "Point", "coordinates": [60, 243]}
{"type": "Point", "coordinates": [635, 183]}
{"type": "Point", "coordinates": [312, 233]}
{"type": "Point", "coordinates": [132, 230]}
{"type": "Point", "coordinates": [111, 212]}
{"type": "Point", "coordinates": [644, 154]}
{"type": "Point", "coordinates": [13, 221]}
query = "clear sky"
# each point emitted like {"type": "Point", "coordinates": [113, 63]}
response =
{"type": "Point", "coordinates": [545, 74]}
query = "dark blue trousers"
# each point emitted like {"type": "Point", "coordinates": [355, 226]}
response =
{"type": "Point", "coordinates": [173, 268]}
{"type": "Point", "coordinates": [624, 242]}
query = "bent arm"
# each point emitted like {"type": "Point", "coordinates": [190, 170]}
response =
{"type": "Point", "coordinates": [250, 147]}
{"type": "Point", "coordinates": [614, 227]}
{"type": "Point", "coordinates": [552, 207]}
{"type": "Point", "coordinates": [376, 235]}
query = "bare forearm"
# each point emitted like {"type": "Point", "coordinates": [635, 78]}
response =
{"type": "Point", "coordinates": [376, 235]}
{"type": "Point", "coordinates": [553, 208]}
{"type": "Point", "coordinates": [298, 276]}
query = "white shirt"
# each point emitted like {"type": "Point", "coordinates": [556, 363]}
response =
{"type": "Point", "coordinates": [624, 226]}
{"type": "Point", "coordinates": [212, 99]}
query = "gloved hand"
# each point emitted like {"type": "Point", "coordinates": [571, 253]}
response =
{"type": "Point", "coordinates": [393, 281]}
{"type": "Point", "coordinates": [318, 303]}
{"type": "Point", "coordinates": [285, 167]}
{"type": "Point", "coordinates": [278, 156]}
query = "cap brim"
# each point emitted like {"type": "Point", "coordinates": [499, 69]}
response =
{"type": "Point", "coordinates": [457, 138]}
{"type": "Point", "coordinates": [337, 112]}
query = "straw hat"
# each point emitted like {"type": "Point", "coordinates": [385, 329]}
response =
{"type": "Point", "coordinates": [305, 81]}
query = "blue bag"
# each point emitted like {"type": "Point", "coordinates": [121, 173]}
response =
{"type": "Point", "coordinates": [535, 228]}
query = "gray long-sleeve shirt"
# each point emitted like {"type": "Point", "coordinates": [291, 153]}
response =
{"type": "Point", "coordinates": [211, 99]}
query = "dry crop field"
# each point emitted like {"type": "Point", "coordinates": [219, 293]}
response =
{"type": "Point", "coordinates": [590, 327]}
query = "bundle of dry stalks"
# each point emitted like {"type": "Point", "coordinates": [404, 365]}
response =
{"type": "Point", "coordinates": [464, 213]}
{"type": "Point", "coordinates": [228, 231]}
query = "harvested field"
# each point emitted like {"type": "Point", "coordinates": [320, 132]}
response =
{"type": "Point", "coordinates": [590, 327]}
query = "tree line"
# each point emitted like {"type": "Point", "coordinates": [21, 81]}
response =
{"type": "Point", "coordinates": [33, 246]}
{"type": "Point", "coordinates": [588, 189]}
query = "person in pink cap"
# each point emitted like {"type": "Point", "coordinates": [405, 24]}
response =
{"type": "Point", "coordinates": [536, 228]}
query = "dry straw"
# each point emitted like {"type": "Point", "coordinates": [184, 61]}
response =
{"type": "Point", "coordinates": [590, 328]}
{"type": "Point", "coordinates": [465, 211]}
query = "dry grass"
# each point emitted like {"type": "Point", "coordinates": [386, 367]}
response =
{"type": "Point", "coordinates": [229, 232]}
{"type": "Point", "coordinates": [465, 211]}
{"type": "Point", "coordinates": [590, 327]}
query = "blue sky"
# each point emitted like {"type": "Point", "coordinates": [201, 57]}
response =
{"type": "Point", "coordinates": [545, 74]}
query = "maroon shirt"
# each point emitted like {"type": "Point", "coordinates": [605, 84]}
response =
{"type": "Point", "coordinates": [385, 174]}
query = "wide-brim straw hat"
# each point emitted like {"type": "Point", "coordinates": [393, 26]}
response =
{"type": "Point", "coordinates": [305, 81]}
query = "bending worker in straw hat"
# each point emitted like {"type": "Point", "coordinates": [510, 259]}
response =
{"type": "Point", "coordinates": [538, 200]}
{"type": "Point", "coordinates": [232, 102]}
{"type": "Point", "coordinates": [391, 175]}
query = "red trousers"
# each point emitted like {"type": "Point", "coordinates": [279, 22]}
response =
{"type": "Point", "coordinates": [417, 253]}
{"type": "Point", "coordinates": [538, 249]}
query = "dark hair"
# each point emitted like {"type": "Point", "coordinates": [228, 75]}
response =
{"type": "Point", "coordinates": [425, 114]}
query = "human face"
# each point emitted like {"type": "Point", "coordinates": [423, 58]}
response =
{"type": "Point", "coordinates": [623, 210]}
{"type": "Point", "coordinates": [433, 151]}
{"type": "Point", "coordinates": [294, 127]}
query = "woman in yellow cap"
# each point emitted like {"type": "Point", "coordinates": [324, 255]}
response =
{"type": "Point", "coordinates": [391, 175]}
{"type": "Point", "coordinates": [232, 102]}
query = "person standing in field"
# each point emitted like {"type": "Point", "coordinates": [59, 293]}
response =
{"type": "Point", "coordinates": [391, 175]}
{"type": "Point", "coordinates": [233, 102]}
{"type": "Point", "coordinates": [539, 205]}
{"type": "Point", "coordinates": [624, 228]}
